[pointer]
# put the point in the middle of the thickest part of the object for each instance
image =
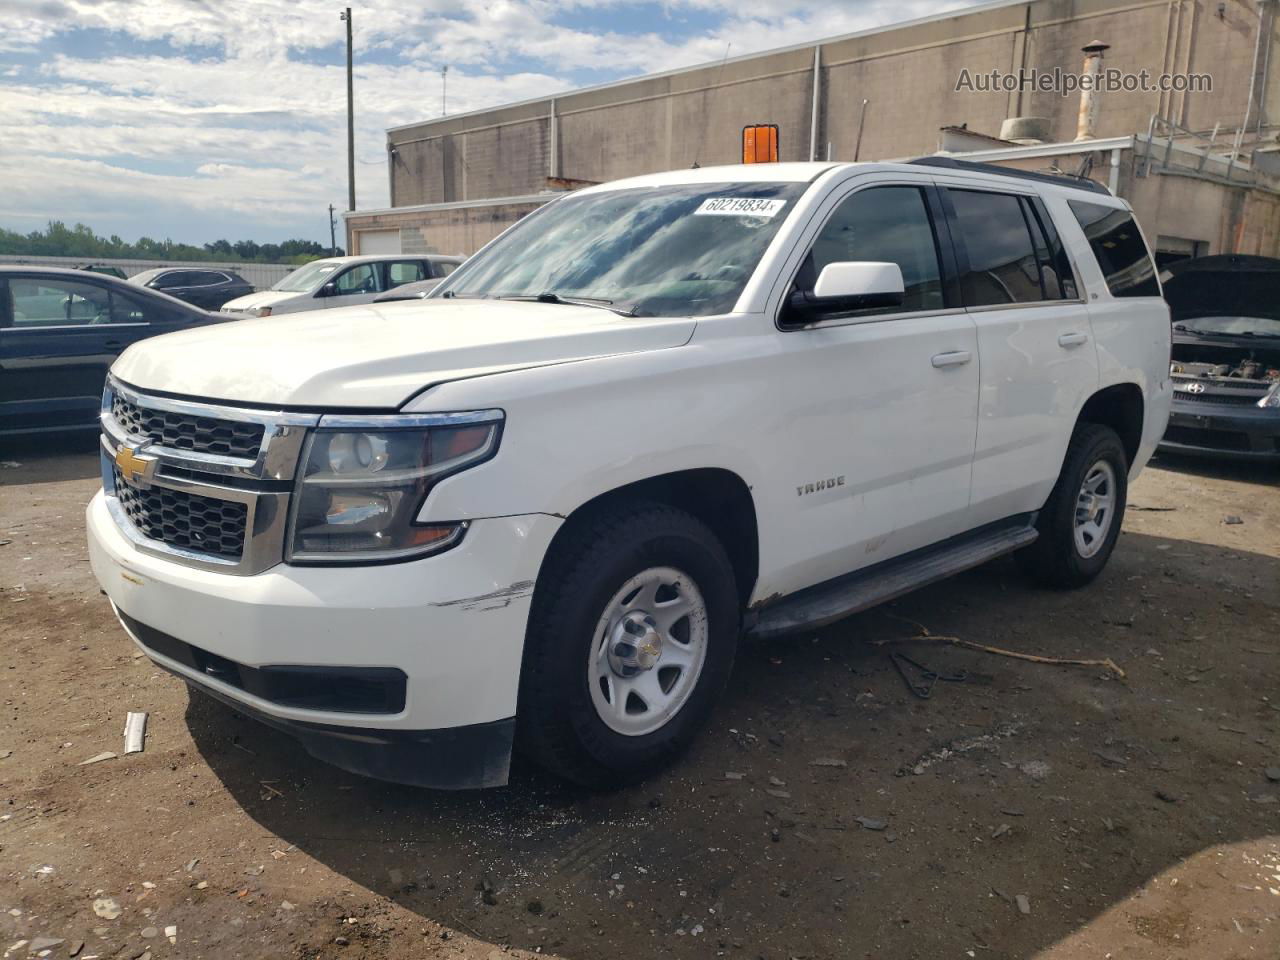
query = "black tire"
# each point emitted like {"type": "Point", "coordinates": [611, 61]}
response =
{"type": "Point", "coordinates": [557, 725]}
{"type": "Point", "coordinates": [1054, 559]}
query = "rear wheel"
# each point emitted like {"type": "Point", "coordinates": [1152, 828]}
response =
{"type": "Point", "coordinates": [1081, 520]}
{"type": "Point", "coordinates": [631, 640]}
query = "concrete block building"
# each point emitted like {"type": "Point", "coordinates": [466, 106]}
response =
{"type": "Point", "coordinates": [1199, 163]}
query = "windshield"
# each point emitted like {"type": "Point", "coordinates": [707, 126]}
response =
{"type": "Point", "coordinates": [306, 279]}
{"type": "Point", "coordinates": [1231, 326]}
{"type": "Point", "coordinates": [670, 251]}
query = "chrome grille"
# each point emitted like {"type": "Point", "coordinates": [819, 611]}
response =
{"type": "Point", "coordinates": [185, 520]}
{"type": "Point", "coordinates": [199, 483]}
{"type": "Point", "coordinates": [184, 431]}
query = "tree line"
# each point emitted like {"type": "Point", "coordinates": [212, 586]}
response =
{"type": "Point", "coordinates": [59, 240]}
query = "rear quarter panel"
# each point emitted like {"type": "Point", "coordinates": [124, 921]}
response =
{"type": "Point", "coordinates": [1133, 336]}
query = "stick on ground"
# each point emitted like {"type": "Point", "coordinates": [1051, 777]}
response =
{"type": "Point", "coordinates": [925, 634]}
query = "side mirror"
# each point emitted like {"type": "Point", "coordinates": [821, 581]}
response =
{"type": "Point", "coordinates": [330, 289]}
{"type": "Point", "coordinates": [848, 286]}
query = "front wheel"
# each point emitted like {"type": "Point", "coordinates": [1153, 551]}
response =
{"type": "Point", "coordinates": [631, 640]}
{"type": "Point", "coordinates": [1081, 520]}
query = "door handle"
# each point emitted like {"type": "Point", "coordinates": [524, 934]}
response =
{"type": "Point", "coordinates": [1072, 339]}
{"type": "Point", "coordinates": [951, 359]}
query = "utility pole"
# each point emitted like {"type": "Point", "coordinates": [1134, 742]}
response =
{"type": "Point", "coordinates": [444, 87]}
{"type": "Point", "coordinates": [333, 240]}
{"type": "Point", "coordinates": [351, 122]}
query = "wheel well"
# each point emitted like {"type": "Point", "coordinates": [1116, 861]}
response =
{"type": "Point", "coordinates": [1121, 408]}
{"type": "Point", "coordinates": [719, 498]}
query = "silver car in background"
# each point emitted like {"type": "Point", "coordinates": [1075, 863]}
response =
{"type": "Point", "coordinates": [341, 282]}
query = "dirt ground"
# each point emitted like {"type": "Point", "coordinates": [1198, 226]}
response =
{"type": "Point", "coordinates": [1028, 811]}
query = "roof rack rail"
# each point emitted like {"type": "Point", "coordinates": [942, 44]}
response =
{"type": "Point", "coordinates": [1061, 179]}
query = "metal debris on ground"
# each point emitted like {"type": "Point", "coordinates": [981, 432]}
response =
{"type": "Point", "coordinates": [106, 755]}
{"type": "Point", "coordinates": [1232, 520]}
{"type": "Point", "coordinates": [135, 732]}
{"type": "Point", "coordinates": [922, 688]}
{"type": "Point", "coordinates": [926, 634]}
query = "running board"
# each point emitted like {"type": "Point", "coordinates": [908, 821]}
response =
{"type": "Point", "coordinates": [836, 599]}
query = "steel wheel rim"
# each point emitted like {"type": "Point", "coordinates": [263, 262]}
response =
{"type": "Point", "coordinates": [1095, 508]}
{"type": "Point", "coordinates": [648, 650]}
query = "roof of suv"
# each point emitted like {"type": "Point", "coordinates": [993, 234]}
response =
{"type": "Point", "coordinates": [374, 257]}
{"type": "Point", "coordinates": [808, 172]}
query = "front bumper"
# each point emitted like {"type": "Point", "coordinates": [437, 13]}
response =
{"type": "Point", "coordinates": [451, 625]}
{"type": "Point", "coordinates": [1207, 429]}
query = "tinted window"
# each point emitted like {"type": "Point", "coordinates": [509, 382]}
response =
{"type": "Point", "coordinates": [173, 278]}
{"type": "Point", "coordinates": [207, 278]}
{"type": "Point", "coordinates": [1119, 248]}
{"type": "Point", "coordinates": [359, 279]}
{"type": "Point", "coordinates": [886, 224]}
{"type": "Point", "coordinates": [49, 302]}
{"type": "Point", "coordinates": [128, 307]}
{"type": "Point", "coordinates": [1003, 267]}
{"type": "Point", "coordinates": [405, 271]}
{"type": "Point", "coordinates": [1055, 266]}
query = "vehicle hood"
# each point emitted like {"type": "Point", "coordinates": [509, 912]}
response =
{"type": "Point", "coordinates": [378, 355]}
{"type": "Point", "coordinates": [263, 298]}
{"type": "Point", "coordinates": [1229, 285]}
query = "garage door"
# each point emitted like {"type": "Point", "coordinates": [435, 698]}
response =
{"type": "Point", "coordinates": [379, 241]}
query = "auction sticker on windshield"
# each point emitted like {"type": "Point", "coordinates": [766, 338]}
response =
{"type": "Point", "coordinates": [740, 207]}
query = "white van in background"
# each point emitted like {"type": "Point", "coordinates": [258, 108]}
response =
{"type": "Point", "coordinates": [341, 282]}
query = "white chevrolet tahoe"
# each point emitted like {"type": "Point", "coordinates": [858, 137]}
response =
{"type": "Point", "coordinates": [539, 508]}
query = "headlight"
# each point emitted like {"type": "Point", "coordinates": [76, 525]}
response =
{"type": "Point", "coordinates": [1272, 399]}
{"type": "Point", "coordinates": [364, 481]}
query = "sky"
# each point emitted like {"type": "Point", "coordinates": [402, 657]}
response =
{"type": "Point", "coordinates": [195, 120]}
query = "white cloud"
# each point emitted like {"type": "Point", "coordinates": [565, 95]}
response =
{"type": "Point", "coordinates": [213, 116]}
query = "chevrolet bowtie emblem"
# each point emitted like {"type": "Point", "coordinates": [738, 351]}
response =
{"type": "Point", "coordinates": [136, 469]}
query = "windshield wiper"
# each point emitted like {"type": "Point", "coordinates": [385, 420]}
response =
{"type": "Point", "coordinates": [549, 297]}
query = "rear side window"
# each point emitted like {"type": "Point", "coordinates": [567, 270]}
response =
{"type": "Point", "coordinates": [127, 307]}
{"type": "Point", "coordinates": [443, 268]}
{"type": "Point", "coordinates": [1003, 265]}
{"type": "Point", "coordinates": [1119, 248]}
{"type": "Point", "coordinates": [174, 278]}
{"type": "Point", "coordinates": [1056, 276]}
{"type": "Point", "coordinates": [405, 271]}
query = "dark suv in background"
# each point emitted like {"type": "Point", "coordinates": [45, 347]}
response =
{"type": "Point", "coordinates": [205, 288]}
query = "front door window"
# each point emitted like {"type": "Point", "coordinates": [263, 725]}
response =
{"type": "Point", "coordinates": [362, 278]}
